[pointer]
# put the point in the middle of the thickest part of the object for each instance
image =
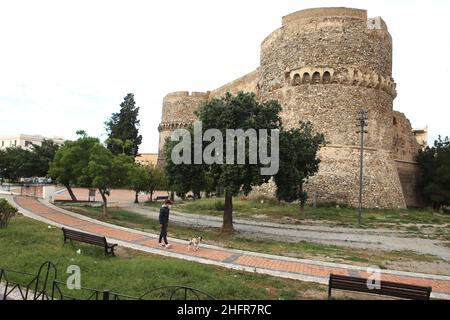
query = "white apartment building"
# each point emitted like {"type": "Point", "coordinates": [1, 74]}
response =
{"type": "Point", "coordinates": [25, 141]}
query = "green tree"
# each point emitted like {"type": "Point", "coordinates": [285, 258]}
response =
{"type": "Point", "coordinates": [241, 111]}
{"type": "Point", "coordinates": [117, 143]}
{"type": "Point", "coordinates": [16, 163]}
{"type": "Point", "coordinates": [3, 165]}
{"type": "Point", "coordinates": [106, 171]}
{"type": "Point", "coordinates": [139, 179]}
{"type": "Point", "coordinates": [42, 155]}
{"type": "Point", "coordinates": [157, 180]}
{"type": "Point", "coordinates": [298, 162]}
{"type": "Point", "coordinates": [71, 161]}
{"type": "Point", "coordinates": [124, 126]}
{"type": "Point", "coordinates": [183, 178]}
{"type": "Point", "coordinates": [435, 180]}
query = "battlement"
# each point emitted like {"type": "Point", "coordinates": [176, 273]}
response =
{"type": "Point", "coordinates": [315, 13]}
{"type": "Point", "coordinates": [178, 94]}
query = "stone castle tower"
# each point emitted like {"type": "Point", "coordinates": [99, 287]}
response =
{"type": "Point", "coordinates": [323, 65]}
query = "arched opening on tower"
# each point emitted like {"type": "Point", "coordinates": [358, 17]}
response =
{"type": "Point", "coordinates": [296, 81]}
{"type": "Point", "coordinates": [306, 78]}
{"type": "Point", "coordinates": [326, 77]}
{"type": "Point", "coordinates": [316, 77]}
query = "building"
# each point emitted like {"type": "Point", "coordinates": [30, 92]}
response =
{"type": "Point", "coordinates": [25, 141]}
{"type": "Point", "coordinates": [146, 159]}
{"type": "Point", "coordinates": [323, 65]}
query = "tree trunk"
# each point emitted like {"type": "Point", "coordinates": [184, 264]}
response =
{"type": "Point", "coordinates": [172, 196]}
{"type": "Point", "coordinates": [151, 196]}
{"type": "Point", "coordinates": [227, 225]}
{"type": "Point", "coordinates": [105, 204]}
{"type": "Point", "coordinates": [72, 195]}
{"type": "Point", "coordinates": [136, 197]}
{"type": "Point", "coordinates": [302, 199]}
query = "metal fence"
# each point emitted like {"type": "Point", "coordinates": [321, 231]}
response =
{"type": "Point", "coordinates": [44, 285]}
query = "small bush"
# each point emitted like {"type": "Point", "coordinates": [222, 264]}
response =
{"type": "Point", "coordinates": [6, 212]}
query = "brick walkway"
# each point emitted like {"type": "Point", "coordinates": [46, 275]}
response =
{"type": "Point", "coordinates": [306, 270]}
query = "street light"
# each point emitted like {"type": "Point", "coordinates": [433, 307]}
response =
{"type": "Point", "coordinates": [362, 123]}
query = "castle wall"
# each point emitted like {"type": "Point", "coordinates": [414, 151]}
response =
{"type": "Point", "coordinates": [247, 83]}
{"type": "Point", "coordinates": [323, 65]}
{"type": "Point", "coordinates": [178, 112]}
{"type": "Point", "coordinates": [405, 145]}
{"type": "Point", "coordinates": [409, 173]}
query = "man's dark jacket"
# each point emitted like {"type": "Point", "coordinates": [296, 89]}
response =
{"type": "Point", "coordinates": [164, 215]}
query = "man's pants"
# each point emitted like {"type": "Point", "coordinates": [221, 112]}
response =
{"type": "Point", "coordinates": [163, 234]}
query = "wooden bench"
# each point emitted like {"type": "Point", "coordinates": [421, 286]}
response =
{"type": "Point", "coordinates": [393, 289]}
{"type": "Point", "coordinates": [158, 198]}
{"type": "Point", "coordinates": [88, 238]}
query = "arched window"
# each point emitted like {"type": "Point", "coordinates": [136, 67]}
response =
{"type": "Point", "coordinates": [395, 121]}
{"type": "Point", "coordinates": [326, 77]}
{"type": "Point", "coordinates": [316, 77]}
{"type": "Point", "coordinates": [296, 81]}
{"type": "Point", "coordinates": [306, 78]}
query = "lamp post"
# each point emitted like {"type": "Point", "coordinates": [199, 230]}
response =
{"type": "Point", "coordinates": [362, 123]}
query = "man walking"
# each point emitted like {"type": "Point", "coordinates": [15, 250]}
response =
{"type": "Point", "coordinates": [164, 222]}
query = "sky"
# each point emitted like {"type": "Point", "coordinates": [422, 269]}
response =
{"type": "Point", "coordinates": [67, 65]}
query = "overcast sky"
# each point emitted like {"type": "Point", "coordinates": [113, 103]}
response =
{"type": "Point", "coordinates": [67, 65]}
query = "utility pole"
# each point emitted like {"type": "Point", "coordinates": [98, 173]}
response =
{"type": "Point", "coordinates": [362, 123]}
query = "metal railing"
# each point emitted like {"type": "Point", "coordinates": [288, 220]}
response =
{"type": "Point", "coordinates": [45, 286]}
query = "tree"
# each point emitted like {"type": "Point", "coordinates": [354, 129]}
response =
{"type": "Point", "coordinates": [241, 111]}
{"type": "Point", "coordinates": [435, 180]}
{"type": "Point", "coordinates": [106, 171]}
{"type": "Point", "coordinates": [139, 178]}
{"type": "Point", "coordinates": [117, 143]}
{"type": "Point", "coordinates": [16, 163]}
{"type": "Point", "coordinates": [157, 180]}
{"type": "Point", "coordinates": [298, 162]}
{"type": "Point", "coordinates": [124, 126]}
{"type": "Point", "coordinates": [183, 178]}
{"type": "Point", "coordinates": [71, 161]}
{"type": "Point", "coordinates": [42, 155]}
{"type": "Point", "coordinates": [3, 165]}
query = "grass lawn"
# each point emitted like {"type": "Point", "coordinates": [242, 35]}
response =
{"type": "Point", "coordinates": [301, 249]}
{"type": "Point", "coordinates": [26, 244]}
{"type": "Point", "coordinates": [285, 213]}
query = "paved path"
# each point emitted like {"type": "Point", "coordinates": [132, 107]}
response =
{"type": "Point", "coordinates": [379, 239]}
{"type": "Point", "coordinates": [300, 269]}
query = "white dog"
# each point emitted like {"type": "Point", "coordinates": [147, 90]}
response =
{"type": "Point", "coordinates": [194, 242]}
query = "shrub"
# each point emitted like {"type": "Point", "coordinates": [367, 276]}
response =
{"type": "Point", "coordinates": [6, 212]}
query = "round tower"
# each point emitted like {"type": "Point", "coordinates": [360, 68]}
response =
{"type": "Point", "coordinates": [323, 65]}
{"type": "Point", "coordinates": [178, 112]}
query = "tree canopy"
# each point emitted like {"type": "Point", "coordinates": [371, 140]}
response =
{"type": "Point", "coordinates": [71, 161]}
{"type": "Point", "coordinates": [298, 162]}
{"type": "Point", "coordinates": [435, 180]}
{"type": "Point", "coordinates": [124, 126]}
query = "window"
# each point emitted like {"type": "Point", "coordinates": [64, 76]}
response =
{"type": "Point", "coordinates": [3, 143]}
{"type": "Point", "coordinates": [28, 143]}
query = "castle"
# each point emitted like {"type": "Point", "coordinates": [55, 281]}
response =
{"type": "Point", "coordinates": [323, 65]}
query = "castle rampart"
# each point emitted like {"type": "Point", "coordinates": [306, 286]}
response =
{"type": "Point", "coordinates": [322, 65]}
